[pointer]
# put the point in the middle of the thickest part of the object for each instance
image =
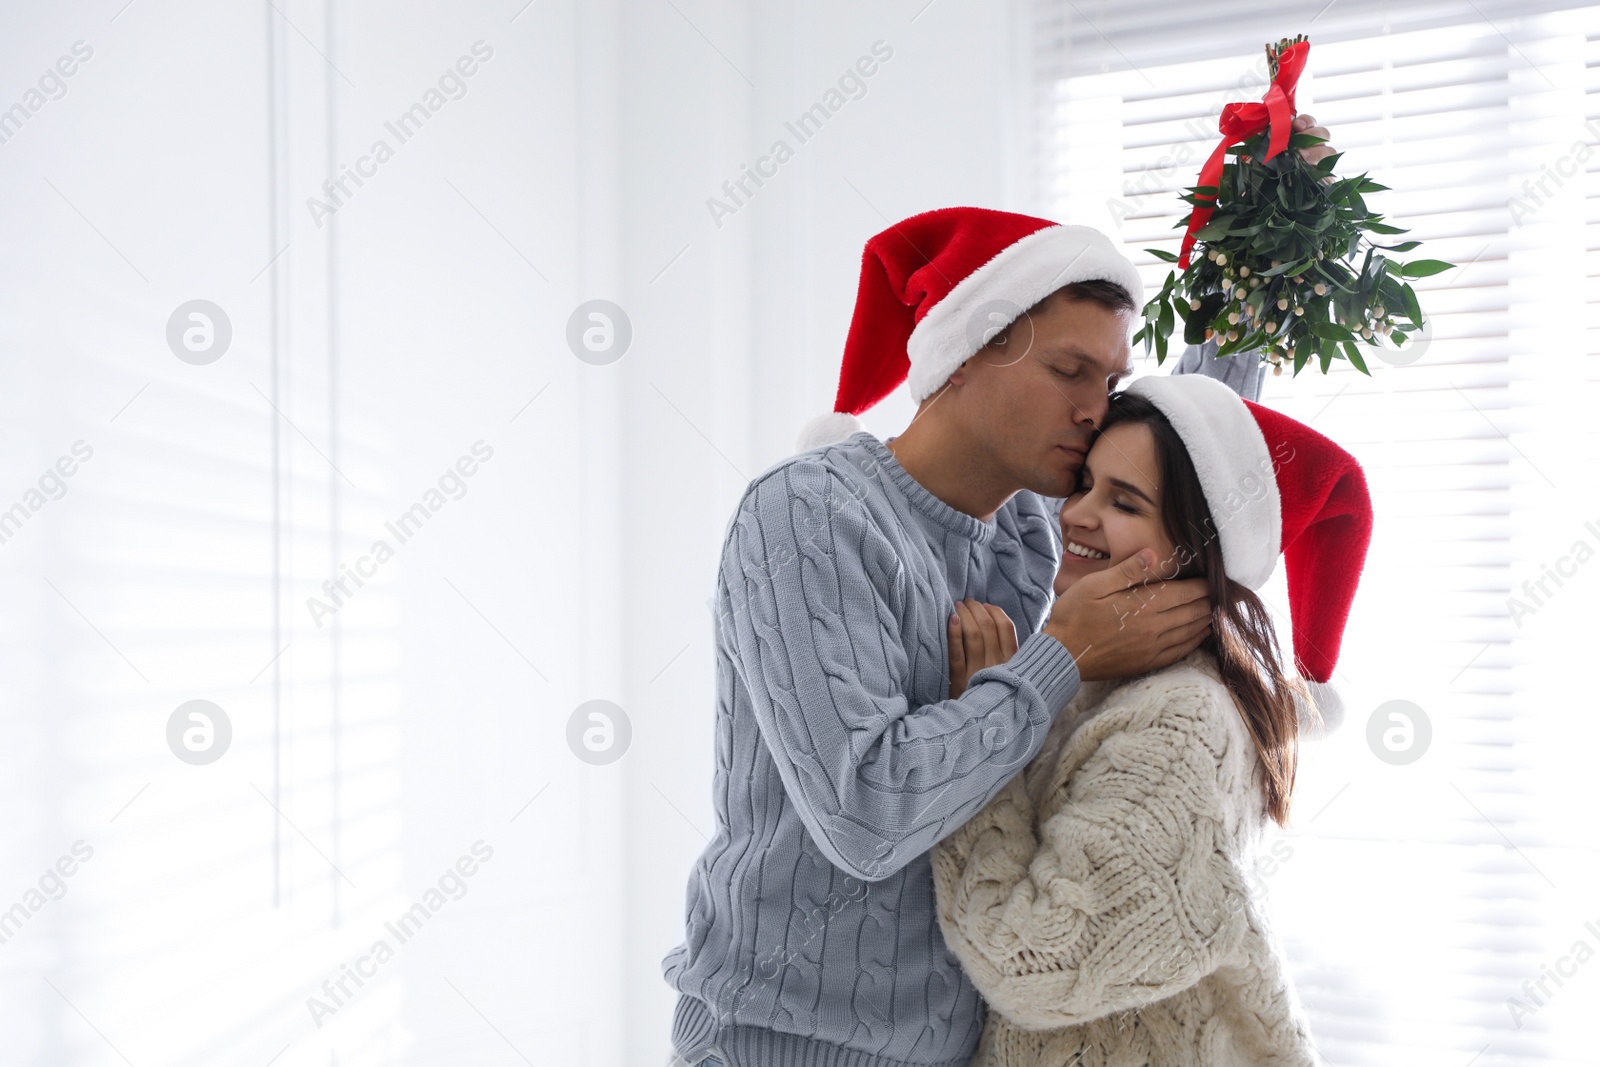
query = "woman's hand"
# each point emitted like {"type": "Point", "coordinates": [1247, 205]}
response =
{"type": "Point", "coordinates": [981, 635]}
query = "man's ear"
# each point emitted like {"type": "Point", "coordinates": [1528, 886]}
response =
{"type": "Point", "coordinates": [959, 375]}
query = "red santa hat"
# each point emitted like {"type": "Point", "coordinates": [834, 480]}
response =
{"type": "Point", "coordinates": [1277, 487]}
{"type": "Point", "coordinates": [938, 286]}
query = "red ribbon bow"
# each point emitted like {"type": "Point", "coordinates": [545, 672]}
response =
{"type": "Point", "coordinates": [1240, 122]}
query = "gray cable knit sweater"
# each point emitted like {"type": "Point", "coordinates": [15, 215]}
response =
{"type": "Point", "coordinates": [811, 934]}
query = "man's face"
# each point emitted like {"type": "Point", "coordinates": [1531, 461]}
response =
{"type": "Point", "coordinates": [1032, 398]}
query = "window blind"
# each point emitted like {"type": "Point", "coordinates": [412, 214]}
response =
{"type": "Point", "coordinates": [1442, 910]}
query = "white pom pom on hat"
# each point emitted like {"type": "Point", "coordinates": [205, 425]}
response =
{"type": "Point", "coordinates": [936, 287]}
{"type": "Point", "coordinates": [827, 429]}
{"type": "Point", "coordinates": [1330, 707]}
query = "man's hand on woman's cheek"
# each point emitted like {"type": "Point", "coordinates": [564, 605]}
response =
{"type": "Point", "coordinates": [1125, 620]}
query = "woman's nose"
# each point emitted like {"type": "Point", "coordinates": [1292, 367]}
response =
{"type": "Point", "coordinates": [1080, 515]}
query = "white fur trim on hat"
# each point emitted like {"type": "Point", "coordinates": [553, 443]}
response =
{"type": "Point", "coordinates": [827, 429]}
{"type": "Point", "coordinates": [1002, 289]}
{"type": "Point", "coordinates": [1236, 472]}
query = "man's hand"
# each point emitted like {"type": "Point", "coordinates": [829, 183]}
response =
{"type": "Point", "coordinates": [1116, 626]}
{"type": "Point", "coordinates": [981, 635]}
{"type": "Point", "coordinates": [1307, 124]}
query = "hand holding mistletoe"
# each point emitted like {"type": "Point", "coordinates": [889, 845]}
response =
{"type": "Point", "coordinates": [1281, 237]}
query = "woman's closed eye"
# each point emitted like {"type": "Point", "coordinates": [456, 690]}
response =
{"type": "Point", "coordinates": [1120, 503]}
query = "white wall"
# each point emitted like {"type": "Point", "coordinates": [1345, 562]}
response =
{"type": "Point", "coordinates": [369, 352]}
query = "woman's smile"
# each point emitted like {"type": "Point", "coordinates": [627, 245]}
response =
{"type": "Point", "coordinates": [1086, 552]}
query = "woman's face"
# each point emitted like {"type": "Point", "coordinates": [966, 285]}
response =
{"type": "Point", "coordinates": [1115, 512]}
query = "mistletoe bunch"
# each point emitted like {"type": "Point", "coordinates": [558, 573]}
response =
{"type": "Point", "coordinates": [1284, 269]}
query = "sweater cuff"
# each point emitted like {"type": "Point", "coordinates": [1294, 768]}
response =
{"type": "Point", "coordinates": [1046, 664]}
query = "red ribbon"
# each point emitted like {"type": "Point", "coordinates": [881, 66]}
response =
{"type": "Point", "coordinates": [1240, 122]}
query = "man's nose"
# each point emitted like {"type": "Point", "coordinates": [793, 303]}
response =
{"type": "Point", "coordinates": [1092, 411]}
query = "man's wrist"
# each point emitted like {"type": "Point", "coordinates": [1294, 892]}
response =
{"type": "Point", "coordinates": [1062, 637]}
{"type": "Point", "coordinates": [1050, 666]}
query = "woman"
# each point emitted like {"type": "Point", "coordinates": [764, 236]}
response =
{"type": "Point", "coordinates": [1101, 902]}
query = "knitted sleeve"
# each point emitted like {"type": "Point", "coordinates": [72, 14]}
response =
{"type": "Point", "coordinates": [1122, 890]}
{"type": "Point", "coordinates": [812, 595]}
{"type": "Point", "coordinates": [1243, 372]}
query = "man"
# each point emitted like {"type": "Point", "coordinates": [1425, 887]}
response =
{"type": "Point", "coordinates": [811, 936]}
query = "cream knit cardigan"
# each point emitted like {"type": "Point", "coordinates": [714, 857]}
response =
{"type": "Point", "coordinates": [1101, 901]}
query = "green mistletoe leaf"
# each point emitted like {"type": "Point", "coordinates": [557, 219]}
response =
{"type": "Point", "coordinates": [1423, 268]}
{"type": "Point", "coordinates": [1413, 309]}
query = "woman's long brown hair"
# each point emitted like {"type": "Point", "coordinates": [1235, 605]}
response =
{"type": "Point", "coordinates": [1242, 636]}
